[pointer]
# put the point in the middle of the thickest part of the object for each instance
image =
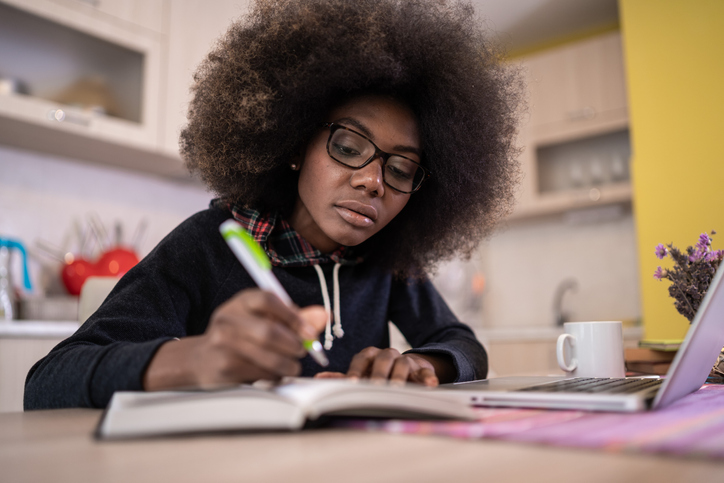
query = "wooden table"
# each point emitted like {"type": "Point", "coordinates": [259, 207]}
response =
{"type": "Point", "coordinates": [57, 446]}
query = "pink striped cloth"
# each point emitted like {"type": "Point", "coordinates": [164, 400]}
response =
{"type": "Point", "coordinates": [693, 426]}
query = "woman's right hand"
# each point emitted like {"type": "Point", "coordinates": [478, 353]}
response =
{"type": "Point", "coordinates": [252, 336]}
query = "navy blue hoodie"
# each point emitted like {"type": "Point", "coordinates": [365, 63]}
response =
{"type": "Point", "coordinates": [174, 290]}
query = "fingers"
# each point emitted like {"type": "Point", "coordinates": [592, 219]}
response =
{"type": "Point", "coordinates": [361, 365]}
{"type": "Point", "coordinates": [407, 368]}
{"type": "Point", "coordinates": [235, 353]}
{"type": "Point", "coordinates": [384, 365]}
{"type": "Point", "coordinates": [252, 336]}
{"type": "Point", "coordinates": [266, 320]}
{"type": "Point", "coordinates": [423, 371]}
{"type": "Point", "coordinates": [271, 362]}
{"type": "Point", "coordinates": [379, 364]}
{"type": "Point", "coordinates": [426, 376]}
{"type": "Point", "coordinates": [233, 374]}
{"type": "Point", "coordinates": [256, 334]}
{"type": "Point", "coordinates": [401, 370]}
{"type": "Point", "coordinates": [389, 364]}
{"type": "Point", "coordinates": [266, 304]}
{"type": "Point", "coordinates": [233, 326]}
{"type": "Point", "coordinates": [314, 319]}
{"type": "Point", "coordinates": [307, 322]}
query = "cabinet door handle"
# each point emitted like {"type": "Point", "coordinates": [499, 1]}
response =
{"type": "Point", "coordinates": [61, 115]}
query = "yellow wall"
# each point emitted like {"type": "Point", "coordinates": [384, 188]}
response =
{"type": "Point", "coordinates": [674, 51]}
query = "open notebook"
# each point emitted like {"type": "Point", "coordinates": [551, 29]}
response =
{"type": "Point", "coordinates": [285, 406]}
{"type": "Point", "coordinates": [687, 373]}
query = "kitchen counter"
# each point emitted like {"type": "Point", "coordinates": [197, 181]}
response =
{"type": "Point", "coordinates": [532, 334]}
{"type": "Point", "coordinates": [22, 344]}
{"type": "Point", "coordinates": [54, 329]}
{"type": "Point", "coordinates": [38, 329]}
{"type": "Point", "coordinates": [523, 350]}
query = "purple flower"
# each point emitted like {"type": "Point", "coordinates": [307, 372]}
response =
{"type": "Point", "coordinates": [701, 253]}
{"type": "Point", "coordinates": [714, 255]}
{"type": "Point", "coordinates": [691, 274]}
{"type": "Point", "coordinates": [659, 273]}
{"type": "Point", "coordinates": [704, 241]}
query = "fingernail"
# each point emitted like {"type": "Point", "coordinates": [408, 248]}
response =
{"type": "Point", "coordinates": [308, 332]}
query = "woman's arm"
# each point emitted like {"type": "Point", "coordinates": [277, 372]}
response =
{"type": "Point", "coordinates": [190, 287]}
{"type": "Point", "coordinates": [171, 293]}
{"type": "Point", "coordinates": [434, 332]}
{"type": "Point", "coordinates": [252, 336]}
{"type": "Point", "coordinates": [112, 348]}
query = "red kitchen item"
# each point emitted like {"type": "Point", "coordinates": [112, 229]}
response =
{"type": "Point", "coordinates": [117, 261]}
{"type": "Point", "coordinates": [113, 263]}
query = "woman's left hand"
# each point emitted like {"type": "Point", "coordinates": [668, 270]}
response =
{"type": "Point", "coordinates": [383, 364]}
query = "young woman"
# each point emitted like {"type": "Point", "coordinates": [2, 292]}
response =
{"type": "Point", "coordinates": [360, 143]}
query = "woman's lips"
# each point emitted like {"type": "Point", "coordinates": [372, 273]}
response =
{"type": "Point", "coordinates": [356, 213]}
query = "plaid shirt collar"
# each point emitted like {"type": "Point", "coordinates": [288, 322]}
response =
{"type": "Point", "coordinates": [284, 246]}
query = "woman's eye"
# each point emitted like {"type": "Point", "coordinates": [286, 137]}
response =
{"type": "Point", "coordinates": [399, 173]}
{"type": "Point", "coordinates": [345, 150]}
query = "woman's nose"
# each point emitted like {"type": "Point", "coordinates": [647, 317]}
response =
{"type": "Point", "coordinates": [370, 178]}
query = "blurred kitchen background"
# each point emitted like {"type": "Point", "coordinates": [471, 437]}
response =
{"type": "Point", "coordinates": [617, 140]}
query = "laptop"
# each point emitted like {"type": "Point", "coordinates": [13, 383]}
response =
{"type": "Point", "coordinates": [689, 370]}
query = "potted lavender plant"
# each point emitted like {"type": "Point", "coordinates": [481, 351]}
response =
{"type": "Point", "coordinates": [690, 278]}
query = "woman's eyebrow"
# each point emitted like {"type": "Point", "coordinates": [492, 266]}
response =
{"type": "Point", "coordinates": [357, 125]}
{"type": "Point", "coordinates": [363, 129]}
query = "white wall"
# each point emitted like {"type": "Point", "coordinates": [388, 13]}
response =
{"type": "Point", "coordinates": [524, 263]}
{"type": "Point", "coordinates": [41, 197]}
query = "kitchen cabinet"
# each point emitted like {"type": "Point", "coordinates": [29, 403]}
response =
{"type": "Point", "coordinates": [137, 56]}
{"type": "Point", "coordinates": [17, 356]}
{"type": "Point", "coordinates": [577, 88]}
{"type": "Point", "coordinates": [22, 344]}
{"type": "Point", "coordinates": [146, 14]}
{"type": "Point", "coordinates": [575, 139]}
{"type": "Point", "coordinates": [82, 85]}
{"type": "Point", "coordinates": [193, 30]}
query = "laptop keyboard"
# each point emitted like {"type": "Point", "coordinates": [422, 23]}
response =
{"type": "Point", "coordinates": [594, 384]}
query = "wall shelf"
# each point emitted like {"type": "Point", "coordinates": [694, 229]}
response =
{"type": "Point", "coordinates": [576, 145]}
{"type": "Point", "coordinates": [81, 87]}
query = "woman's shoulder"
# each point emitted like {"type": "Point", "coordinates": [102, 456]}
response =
{"type": "Point", "coordinates": [202, 222]}
{"type": "Point", "coordinates": [198, 230]}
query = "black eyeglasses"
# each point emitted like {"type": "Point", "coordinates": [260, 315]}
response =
{"type": "Point", "coordinates": [354, 150]}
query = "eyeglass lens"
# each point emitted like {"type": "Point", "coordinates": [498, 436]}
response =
{"type": "Point", "coordinates": [353, 150]}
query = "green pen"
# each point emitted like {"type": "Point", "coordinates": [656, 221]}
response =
{"type": "Point", "coordinates": [255, 261]}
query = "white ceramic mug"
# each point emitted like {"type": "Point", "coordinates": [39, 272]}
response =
{"type": "Point", "coordinates": [596, 349]}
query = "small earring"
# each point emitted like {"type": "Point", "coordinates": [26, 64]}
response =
{"type": "Point", "coordinates": [294, 167]}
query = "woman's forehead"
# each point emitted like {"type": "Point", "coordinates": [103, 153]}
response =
{"type": "Point", "coordinates": [379, 117]}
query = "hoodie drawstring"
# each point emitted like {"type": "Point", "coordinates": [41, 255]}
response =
{"type": "Point", "coordinates": [337, 329]}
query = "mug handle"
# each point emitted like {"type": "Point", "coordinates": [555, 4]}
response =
{"type": "Point", "coordinates": [561, 355]}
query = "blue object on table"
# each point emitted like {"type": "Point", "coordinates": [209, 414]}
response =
{"type": "Point", "coordinates": [8, 306]}
{"type": "Point", "coordinates": [10, 243]}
